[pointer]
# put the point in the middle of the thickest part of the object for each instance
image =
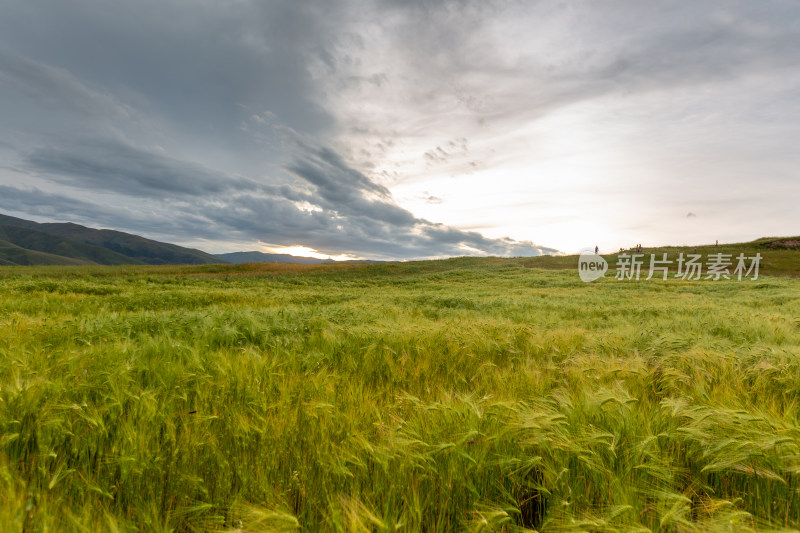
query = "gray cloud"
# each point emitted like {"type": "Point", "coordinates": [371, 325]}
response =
{"type": "Point", "coordinates": [431, 199]}
{"type": "Point", "coordinates": [442, 154]}
{"type": "Point", "coordinates": [116, 166]}
{"type": "Point", "coordinates": [192, 64]}
{"type": "Point", "coordinates": [55, 89]}
{"type": "Point", "coordinates": [342, 212]}
{"type": "Point", "coordinates": [46, 206]}
{"type": "Point", "coordinates": [289, 122]}
{"type": "Point", "coordinates": [347, 191]}
{"type": "Point", "coordinates": [454, 53]}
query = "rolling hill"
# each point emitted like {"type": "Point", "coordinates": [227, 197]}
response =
{"type": "Point", "coordinates": [24, 242]}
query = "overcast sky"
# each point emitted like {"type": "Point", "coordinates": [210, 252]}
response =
{"type": "Point", "coordinates": [404, 129]}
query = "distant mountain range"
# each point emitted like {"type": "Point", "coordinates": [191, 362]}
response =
{"type": "Point", "coordinates": [24, 242]}
{"type": "Point", "coordinates": [260, 257]}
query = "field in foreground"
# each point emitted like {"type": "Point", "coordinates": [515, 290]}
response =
{"type": "Point", "coordinates": [456, 395]}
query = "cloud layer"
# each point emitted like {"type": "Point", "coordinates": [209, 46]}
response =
{"type": "Point", "coordinates": [387, 129]}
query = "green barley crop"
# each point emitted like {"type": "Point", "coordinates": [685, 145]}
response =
{"type": "Point", "coordinates": [460, 395]}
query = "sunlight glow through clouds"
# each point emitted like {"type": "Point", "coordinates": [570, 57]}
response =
{"type": "Point", "coordinates": [305, 251]}
{"type": "Point", "coordinates": [554, 178]}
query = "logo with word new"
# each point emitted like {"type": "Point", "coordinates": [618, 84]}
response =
{"type": "Point", "coordinates": [591, 266]}
{"type": "Point", "coordinates": [630, 266]}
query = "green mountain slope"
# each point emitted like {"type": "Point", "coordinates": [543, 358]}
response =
{"type": "Point", "coordinates": [38, 241]}
{"type": "Point", "coordinates": [12, 255]}
{"type": "Point", "coordinates": [145, 250]}
{"type": "Point", "coordinates": [70, 244]}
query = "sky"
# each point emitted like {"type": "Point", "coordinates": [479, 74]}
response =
{"type": "Point", "coordinates": [389, 129]}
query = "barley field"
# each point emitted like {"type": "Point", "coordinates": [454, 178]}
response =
{"type": "Point", "coordinates": [458, 395]}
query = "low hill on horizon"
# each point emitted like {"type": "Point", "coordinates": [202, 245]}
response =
{"type": "Point", "coordinates": [238, 258]}
{"type": "Point", "coordinates": [780, 255]}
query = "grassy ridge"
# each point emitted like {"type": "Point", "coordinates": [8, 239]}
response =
{"type": "Point", "coordinates": [13, 255]}
{"type": "Point", "coordinates": [462, 394]}
{"type": "Point", "coordinates": [43, 248]}
{"type": "Point", "coordinates": [24, 242]}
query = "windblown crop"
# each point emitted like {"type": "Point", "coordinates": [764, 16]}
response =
{"type": "Point", "coordinates": [444, 396]}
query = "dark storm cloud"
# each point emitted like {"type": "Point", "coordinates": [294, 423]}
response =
{"type": "Point", "coordinates": [115, 166]}
{"type": "Point", "coordinates": [347, 191]}
{"type": "Point", "coordinates": [46, 206]}
{"type": "Point", "coordinates": [39, 203]}
{"type": "Point", "coordinates": [194, 64]}
{"type": "Point", "coordinates": [55, 89]}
